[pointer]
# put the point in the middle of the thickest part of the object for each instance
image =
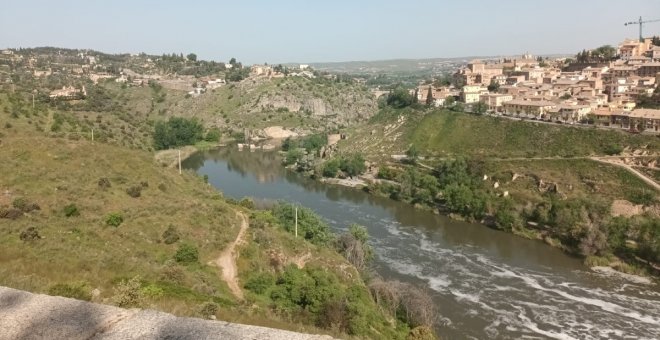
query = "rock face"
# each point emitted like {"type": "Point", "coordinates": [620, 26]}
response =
{"type": "Point", "coordinates": [25, 315]}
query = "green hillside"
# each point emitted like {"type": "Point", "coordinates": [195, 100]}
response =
{"type": "Point", "coordinates": [98, 222]}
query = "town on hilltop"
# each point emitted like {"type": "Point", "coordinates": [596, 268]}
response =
{"type": "Point", "coordinates": [602, 87]}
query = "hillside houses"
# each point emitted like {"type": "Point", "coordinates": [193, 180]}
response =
{"type": "Point", "coordinates": [593, 89]}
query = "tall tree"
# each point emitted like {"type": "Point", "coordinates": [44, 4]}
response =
{"type": "Point", "coordinates": [429, 96]}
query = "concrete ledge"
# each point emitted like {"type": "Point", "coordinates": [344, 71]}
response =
{"type": "Point", "coordinates": [25, 315]}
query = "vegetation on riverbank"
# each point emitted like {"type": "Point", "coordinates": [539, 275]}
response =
{"type": "Point", "coordinates": [95, 221]}
{"type": "Point", "coordinates": [512, 175]}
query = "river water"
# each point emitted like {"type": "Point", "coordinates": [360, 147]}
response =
{"type": "Point", "coordinates": [487, 284]}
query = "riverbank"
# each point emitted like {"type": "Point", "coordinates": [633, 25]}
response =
{"type": "Point", "coordinates": [475, 274]}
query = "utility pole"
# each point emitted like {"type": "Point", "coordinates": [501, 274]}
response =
{"type": "Point", "coordinates": [179, 162]}
{"type": "Point", "coordinates": [296, 222]}
{"type": "Point", "coordinates": [32, 100]}
{"type": "Point", "coordinates": [92, 134]}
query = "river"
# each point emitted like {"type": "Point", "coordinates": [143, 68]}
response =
{"type": "Point", "coordinates": [486, 283]}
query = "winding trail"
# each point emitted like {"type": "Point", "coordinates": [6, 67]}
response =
{"type": "Point", "coordinates": [227, 260]}
{"type": "Point", "coordinates": [642, 176]}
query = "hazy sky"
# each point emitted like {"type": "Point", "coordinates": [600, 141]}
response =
{"type": "Point", "coordinates": [333, 30]}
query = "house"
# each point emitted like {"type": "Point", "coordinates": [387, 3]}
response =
{"type": "Point", "coordinates": [527, 108]}
{"type": "Point", "coordinates": [569, 113]}
{"type": "Point", "coordinates": [471, 93]}
{"type": "Point", "coordinates": [495, 101]}
{"type": "Point", "coordinates": [68, 93]}
{"type": "Point", "coordinates": [637, 120]}
{"type": "Point", "coordinates": [44, 73]}
{"type": "Point", "coordinates": [303, 67]}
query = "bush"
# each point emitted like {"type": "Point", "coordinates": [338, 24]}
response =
{"type": "Point", "coordinates": [213, 135]}
{"type": "Point", "coordinates": [134, 191]}
{"type": "Point", "coordinates": [29, 234]}
{"type": "Point", "coordinates": [10, 213]}
{"type": "Point", "coordinates": [259, 282]}
{"type": "Point", "coordinates": [330, 168]}
{"type": "Point", "coordinates": [114, 219]}
{"type": "Point", "coordinates": [246, 202]}
{"type": "Point", "coordinates": [208, 309]}
{"type": "Point", "coordinates": [152, 291]}
{"type": "Point", "coordinates": [104, 183]}
{"type": "Point", "coordinates": [129, 294]}
{"type": "Point", "coordinates": [386, 173]}
{"type": "Point", "coordinates": [352, 165]}
{"type": "Point", "coordinates": [421, 333]}
{"type": "Point", "coordinates": [353, 245]}
{"type": "Point", "coordinates": [20, 203]}
{"type": "Point", "coordinates": [170, 235]}
{"type": "Point", "coordinates": [310, 226]}
{"type": "Point", "coordinates": [79, 291]}
{"type": "Point", "coordinates": [187, 253]}
{"type": "Point", "coordinates": [177, 131]}
{"type": "Point", "coordinates": [71, 210]}
{"type": "Point", "coordinates": [613, 149]}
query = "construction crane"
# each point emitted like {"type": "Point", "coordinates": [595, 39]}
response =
{"type": "Point", "coordinates": [640, 23]}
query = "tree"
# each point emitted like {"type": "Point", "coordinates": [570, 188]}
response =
{"type": "Point", "coordinates": [177, 131]}
{"type": "Point", "coordinates": [429, 96]}
{"type": "Point", "coordinates": [450, 101]}
{"type": "Point", "coordinates": [412, 154]}
{"type": "Point", "coordinates": [192, 57]}
{"type": "Point", "coordinates": [480, 108]}
{"type": "Point", "coordinates": [400, 98]}
{"type": "Point", "coordinates": [493, 86]}
{"type": "Point", "coordinates": [655, 41]}
{"type": "Point", "coordinates": [232, 61]}
{"type": "Point", "coordinates": [353, 165]}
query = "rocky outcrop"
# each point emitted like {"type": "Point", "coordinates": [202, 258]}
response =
{"type": "Point", "coordinates": [25, 315]}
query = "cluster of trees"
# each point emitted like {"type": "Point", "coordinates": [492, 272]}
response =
{"type": "Point", "coordinates": [401, 98]}
{"type": "Point", "coordinates": [601, 54]}
{"type": "Point", "coordinates": [583, 225]}
{"type": "Point", "coordinates": [315, 294]}
{"type": "Point", "coordinates": [351, 165]}
{"type": "Point", "coordinates": [177, 131]}
{"type": "Point", "coordinates": [311, 144]}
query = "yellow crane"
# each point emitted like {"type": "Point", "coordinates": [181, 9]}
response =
{"type": "Point", "coordinates": [640, 22]}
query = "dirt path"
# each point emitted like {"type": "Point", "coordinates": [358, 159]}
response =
{"type": "Point", "coordinates": [227, 260]}
{"type": "Point", "coordinates": [642, 176]}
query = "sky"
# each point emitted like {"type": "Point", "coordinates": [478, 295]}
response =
{"type": "Point", "coordinates": [309, 31]}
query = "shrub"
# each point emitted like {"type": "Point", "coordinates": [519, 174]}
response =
{"type": "Point", "coordinates": [10, 213]}
{"type": "Point", "coordinates": [310, 225]}
{"type": "Point", "coordinates": [128, 293]}
{"type": "Point", "coordinates": [152, 291]}
{"type": "Point", "coordinates": [71, 210]}
{"type": "Point", "coordinates": [421, 333]}
{"type": "Point", "coordinates": [187, 253]}
{"type": "Point", "coordinates": [330, 168]}
{"type": "Point", "coordinates": [134, 191]}
{"type": "Point", "coordinates": [170, 235]}
{"type": "Point", "coordinates": [213, 135]}
{"type": "Point", "coordinates": [613, 149]}
{"type": "Point", "coordinates": [353, 245]}
{"type": "Point", "coordinates": [79, 291]}
{"type": "Point", "coordinates": [387, 173]}
{"type": "Point", "coordinates": [208, 309]}
{"type": "Point", "coordinates": [259, 282]}
{"type": "Point", "coordinates": [177, 131]}
{"type": "Point", "coordinates": [114, 219]}
{"type": "Point", "coordinates": [20, 203]}
{"type": "Point", "coordinates": [352, 165]}
{"type": "Point", "coordinates": [246, 202]}
{"type": "Point", "coordinates": [104, 183]}
{"type": "Point", "coordinates": [29, 234]}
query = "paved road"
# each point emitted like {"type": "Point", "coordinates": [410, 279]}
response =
{"type": "Point", "coordinates": [30, 316]}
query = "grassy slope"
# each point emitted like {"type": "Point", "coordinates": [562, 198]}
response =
{"type": "Point", "coordinates": [449, 133]}
{"type": "Point", "coordinates": [575, 178]}
{"type": "Point", "coordinates": [445, 133]}
{"type": "Point", "coordinates": [54, 172]}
